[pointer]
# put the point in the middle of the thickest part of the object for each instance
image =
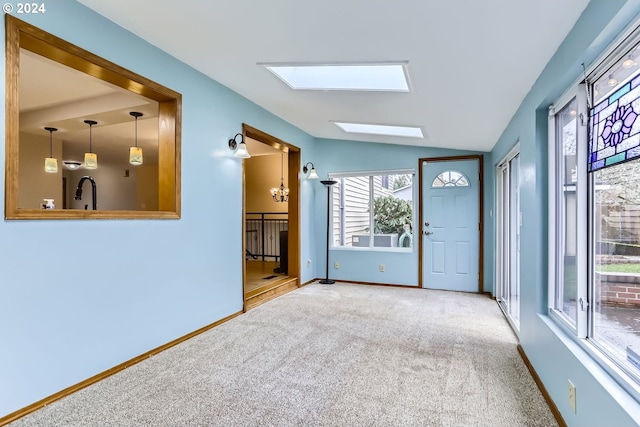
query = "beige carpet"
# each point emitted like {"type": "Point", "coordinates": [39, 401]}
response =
{"type": "Point", "coordinates": [327, 355]}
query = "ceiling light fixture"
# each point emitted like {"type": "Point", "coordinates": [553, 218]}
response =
{"type": "Point", "coordinates": [90, 158]}
{"type": "Point", "coordinates": [612, 80]}
{"type": "Point", "coordinates": [387, 130]}
{"type": "Point", "coordinates": [629, 62]}
{"type": "Point", "coordinates": [135, 152]}
{"type": "Point", "coordinates": [280, 194]}
{"type": "Point", "coordinates": [71, 164]}
{"type": "Point", "coordinates": [240, 148]}
{"type": "Point", "coordinates": [312, 172]}
{"type": "Point", "coordinates": [380, 76]}
{"type": "Point", "coordinates": [50, 163]}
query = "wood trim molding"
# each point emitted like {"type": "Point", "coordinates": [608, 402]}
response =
{"type": "Point", "coordinates": [21, 35]}
{"type": "Point", "coordinates": [94, 379]}
{"type": "Point", "coordinates": [293, 177]}
{"type": "Point", "coordinates": [547, 397]}
{"type": "Point", "coordinates": [308, 282]}
{"type": "Point", "coordinates": [480, 159]}
{"type": "Point", "coordinates": [354, 282]}
{"type": "Point", "coordinates": [286, 286]}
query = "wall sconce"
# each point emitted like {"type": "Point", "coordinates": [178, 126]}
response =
{"type": "Point", "coordinates": [312, 172]}
{"type": "Point", "coordinates": [90, 158]}
{"type": "Point", "coordinates": [51, 163]}
{"type": "Point", "coordinates": [240, 148]}
{"type": "Point", "coordinates": [135, 152]}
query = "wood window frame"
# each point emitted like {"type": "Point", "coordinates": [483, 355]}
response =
{"type": "Point", "coordinates": [20, 34]}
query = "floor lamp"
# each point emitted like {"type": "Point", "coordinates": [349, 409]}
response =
{"type": "Point", "coordinates": [328, 183]}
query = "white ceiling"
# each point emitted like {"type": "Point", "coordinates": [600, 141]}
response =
{"type": "Point", "coordinates": [470, 62]}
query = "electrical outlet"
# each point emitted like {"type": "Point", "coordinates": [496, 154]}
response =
{"type": "Point", "coordinates": [572, 396]}
{"type": "Point", "coordinates": [381, 268]}
{"type": "Point", "coordinates": [336, 265]}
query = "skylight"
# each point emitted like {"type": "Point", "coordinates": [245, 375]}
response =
{"type": "Point", "coordinates": [390, 77]}
{"type": "Point", "coordinates": [408, 131]}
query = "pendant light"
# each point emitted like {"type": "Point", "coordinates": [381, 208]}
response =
{"type": "Point", "coordinates": [51, 163]}
{"type": "Point", "coordinates": [135, 153]}
{"type": "Point", "coordinates": [90, 158]}
{"type": "Point", "coordinates": [280, 194]}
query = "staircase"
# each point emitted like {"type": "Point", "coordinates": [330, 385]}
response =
{"type": "Point", "coordinates": [269, 292]}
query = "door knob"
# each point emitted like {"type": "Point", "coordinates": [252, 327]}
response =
{"type": "Point", "coordinates": [427, 232]}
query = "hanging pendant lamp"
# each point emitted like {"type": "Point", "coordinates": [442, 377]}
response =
{"type": "Point", "coordinates": [280, 194]}
{"type": "Point", "coordinates": [135, 153]}
{"type": "Point", "coordinates": [50, 163]}
{"type": "Point", "coordinates": [90, 158]}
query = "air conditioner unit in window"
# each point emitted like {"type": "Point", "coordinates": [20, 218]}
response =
{"type": "Point", "coordinates": [379, 240]}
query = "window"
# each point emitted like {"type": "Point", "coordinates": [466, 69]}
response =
{"type": "Point", "coordinates": [450, 179]}
{"type": "Point", "coordinates": [373, 210]}
{"type": "Point", "coordinates": [594, 206]}
{"type": "Point", "coordinates": [566, 172]}
{"type": "Point", "coordinates": [385, 181]}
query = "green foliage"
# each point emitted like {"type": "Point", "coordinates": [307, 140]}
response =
{"type": "Point", "coordinates": [391, 214]}
{"type": "Point", "coordinates": [401, 181]}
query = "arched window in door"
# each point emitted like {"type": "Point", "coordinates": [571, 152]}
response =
{"type": "Point", "coordinates": [450, 179]}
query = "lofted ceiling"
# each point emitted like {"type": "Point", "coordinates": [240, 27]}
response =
{"type": "Point", "coordinates": [470, 62]}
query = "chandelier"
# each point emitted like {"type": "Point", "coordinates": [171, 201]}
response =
{"type": "Point", "coordinates": [280, 194]}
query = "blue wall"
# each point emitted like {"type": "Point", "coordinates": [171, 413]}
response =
{"type": "Point", "coordinates": [79, 297]}
{"type": "Point", "coordinates": [401, 268]}
{"type": "Point", "coordinates": [600, 401]}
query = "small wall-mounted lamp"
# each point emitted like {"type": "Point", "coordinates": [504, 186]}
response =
{"type": "Point", "coordinates": [240, 148]}
{"type": "Point", "coordinates": [312, 172]}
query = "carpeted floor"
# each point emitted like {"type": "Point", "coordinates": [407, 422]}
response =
{"type": "Point", "coordinates": [340, 355]}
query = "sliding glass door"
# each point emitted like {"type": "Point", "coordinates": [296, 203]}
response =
{"type": "Point", "coordinates": [508, 236]}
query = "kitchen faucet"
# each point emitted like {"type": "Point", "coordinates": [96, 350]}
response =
{"type": "Point", "coordinates": [94, 195]}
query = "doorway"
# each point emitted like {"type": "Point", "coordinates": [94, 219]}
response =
{"type": "Point", "coordinates": [270, 222]}
{"type": "Point", "coordinates": [450, 248]}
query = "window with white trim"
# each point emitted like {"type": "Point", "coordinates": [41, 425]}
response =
{"type": "Point", "coordinates": [594, 212]}
{"type": "Point", "coordinates": [372, 210]}
{"type": "Point", "coordinates": [450, 179]}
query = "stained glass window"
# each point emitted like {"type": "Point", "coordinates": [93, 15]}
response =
{"type": "Point", "coordinates": [450, 179]}
{"type": "Point", "coordinates": [614, 135]}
